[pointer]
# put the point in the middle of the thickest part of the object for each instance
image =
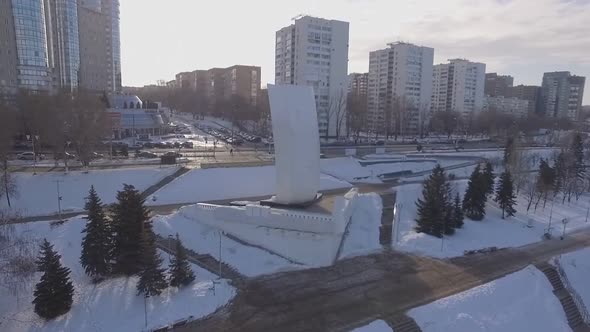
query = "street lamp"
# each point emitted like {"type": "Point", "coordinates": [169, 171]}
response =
{"type": "Point", "coordinates": [564, 221]}
{"type": "Point", "coordinates": [32, 138]}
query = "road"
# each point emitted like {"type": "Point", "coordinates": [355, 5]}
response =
{"type": "Point", "coordinates": [357, 290]}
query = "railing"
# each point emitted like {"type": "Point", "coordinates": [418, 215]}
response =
{"type": "Point", "coordinates": [577, 298]}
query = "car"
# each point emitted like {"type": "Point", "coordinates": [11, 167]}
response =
{"type": "Point", "coordinates": [149, 145]}
{"type": "Point", "coordinates": [146, 154]}
{"type": "Point", "coordinates": [172, 154]}
{"type": "Point", "coordinates": [29, 156]}
{"type": "Point", "coordinates": [176, 145]}
{"type": "Point", "coordinates": [61, 156]}
{"type": "Point", "coordinates": [96, 155]}
{"type": "Point", "coordinates": [188, 145]}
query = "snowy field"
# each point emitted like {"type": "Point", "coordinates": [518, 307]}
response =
{"type": "Point", "coordinates": [203, 239]}
{"type": "Point", "coordinates": [37, 194]}
{"type": "Point", "coordinates": [577, 269]}
{"type": "Point", "coordinates": [491, 231]}
{"type": "Point", "coordinates": [414, 167]}
{"type": "Point", "coordinates": [348, 169]}
{"type": "Point", "coordinates": [522, 301]}
{"type": "Point", "coordinates": [362, 236]}
{"type": "Point", "coordinates": [374, 326]}
{"type": "Point", "coordinates": [112, 305]}
{"type": "Point", "coordinates": [201, 185]}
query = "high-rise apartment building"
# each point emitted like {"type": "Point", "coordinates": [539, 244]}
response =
{"type": "Point", "coordinates": [314, 52]}
{"type": "Point", "coordinates": [507, 105]}
{"type": "Point", "coordinates": [498, 85]}
{"type": "Point", "coordinates": [59, 44]}
{"type": "Point", "coordinates": [530, 93]}
{"type": "Point", "coordinates": [358, 83]}
{"type": "Point", "coordinates": [100, 46]}
{"type": "Point", "coordinates": [562, 95]}
{"type": "Point", "coordinates": [458, 86]}
{"type": "Point", "coordinates": [399, 87]}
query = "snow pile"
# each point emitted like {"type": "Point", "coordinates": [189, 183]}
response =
{"type": "Point", "coordinates": [348, 169]}
{"type": "Point", "coordinates": [362, 235]}
{"type": "Point", "coordinates": [374, 326]}
{"type": "Point", "coordinates": [38, 193]}
{"type": "Point", "coordinates": [112, 305]}
{"type": "Point", "coordinates": [200, 185]}
{"type": "Point", "coordinates": [522, 301]}
{"type": "Point", "coordinates": [491, 231]}
{"type": "Point", "coordinates": [577, 269]}
{"type": "Point", "coordinates": [203, 239]}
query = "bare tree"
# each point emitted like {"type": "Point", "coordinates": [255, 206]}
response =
{"type": "Point", "coordinates": [356, 114]}
{"type": "Point", "coordinates": [446, 122]}
{"type": "Point", "coordinates": [336, 112]}
{"type": "Point", "coordinates": [8, 185]}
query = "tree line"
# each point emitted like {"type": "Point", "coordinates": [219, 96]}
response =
{"type": "Point", "coordinates": [122, 244]}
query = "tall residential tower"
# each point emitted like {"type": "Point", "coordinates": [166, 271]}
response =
{"type": "Point", "coordinates": [562, 95]}
{"type": "Point", "coordinates": [400, 88]}
{"type": "Point", "coordinates": [314, 52]}
{"type": "Point", "coordinates": [458, 86]}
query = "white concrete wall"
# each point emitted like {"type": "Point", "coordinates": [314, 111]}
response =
{"type": "Point", "coordinates": [282, 231]}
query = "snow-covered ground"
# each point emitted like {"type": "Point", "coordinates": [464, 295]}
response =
{"type": "Point", "coordinates": [374, 326]}
{"type": "Point", "coordinates": [112, 305]}
{"type": "Point", "coordinates": [348, 169]}
{"type": "Point", "coordinates": [203, 239]}
{"type": "Point", "coordinates": [576, 266]}
{"type": "Point", "coordinates": [37, 194]}
{"type": "Point", "coordinates": [522, 301]}
{"type": "Point", "coordinates": [491, 231]}
{"type": "Point", "coordinates": [418, 166]}
{"type": "Point", "coordinates": [362, 236]}
{"type": "Point", "coordinates": [201, 185]}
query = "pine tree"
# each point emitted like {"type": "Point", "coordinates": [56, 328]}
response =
{"type": "Point", "coordinates": [488, 178]}
{"type": "Point", "coordinates": [505, 196]}
{"type": "Point", "coordinates": [431, 208]}
{"type": "Point", "coordinates": [130, 221]}
{"type": "Point", "coordinates": [457, 212]}
{"type": "Point", "coordinates": [97, 244]}
{"type": "Point", "coordinates": [181, 273]}
{"type": "Point", "coordinates": [474, 201]}
{"type": "Point", "coordinates": [151, 277]}
{"type": "Point", "coordinates": [54, 292]}
{"type": "Point", "coordinates": [509, 151]}
{"type": "Point", "coordinates": [577, 168]}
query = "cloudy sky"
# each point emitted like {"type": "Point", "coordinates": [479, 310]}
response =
{"type": "Point", "coordinates": [523, 38]}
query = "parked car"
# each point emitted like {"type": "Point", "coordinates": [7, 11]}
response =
{"type": "Point", "coordinates": [29, 156]}
{"type": "Point", "coordinates": [96, 155]}
{"type": "Point", "coordinates": [146, 154]}
{"type": "Point", "coordinates": [188, 145]}
{"type": "Point", "coordinates": [172, 154]}
{"type": "Point", "coordinates": [62, 156]}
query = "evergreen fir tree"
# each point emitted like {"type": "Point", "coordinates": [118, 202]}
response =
{"type": "Point", "coordinates": [488, 178]}
{"type": "Point", "coordinates": [130, 221]}
{"type": "Point", "coordinates": [431, 208]}
{"type": "Point", "coordinates": [181, 273]}
{"type": "Point", "coordinates": [97, 244]}
{"type": "Point", "coordinates": [578, 170]}
{"type": "Point", "coordinates": [474, 201]}
{"type": "Point", "coordinates": [151, 277]}
{"type": "Point", "coordinates": [457, 212]}
{"type": "Point", "coordinates": [509, 151]}
{"type": "Point", "coordinates": [54, 292]}
{"type": "Point", "coordinates": [505, 196]}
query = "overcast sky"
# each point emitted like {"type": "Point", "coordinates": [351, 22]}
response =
{"type": "Point", "coordinates": [523, 38]}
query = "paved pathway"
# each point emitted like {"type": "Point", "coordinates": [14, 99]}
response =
{"type": "Point", "coordinates": [357, 290]}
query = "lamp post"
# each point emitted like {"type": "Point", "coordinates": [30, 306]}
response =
{"type": "Point", "coordinates": [564, 221]}
{"type": "Point", "coordinates": [59, 198]}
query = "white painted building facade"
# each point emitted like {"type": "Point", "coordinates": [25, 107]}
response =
{"type": "Point", "coordinates": [458, 86]}
{"type": "Point", "coordinates": [314, 52]}
{"type": "Point", "coordinates": [508, 105]}
{"type": "Point", "coordinates": [401, 73]}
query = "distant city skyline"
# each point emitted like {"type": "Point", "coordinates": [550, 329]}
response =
{"type": "Point", "coordinates": [160, 39]}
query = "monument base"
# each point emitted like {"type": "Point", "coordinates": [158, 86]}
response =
{"type": "Point", "coordinates": [272, 203]}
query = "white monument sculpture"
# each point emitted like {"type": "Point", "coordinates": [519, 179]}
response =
{"type": "Point", "coordinates": [297, 143]}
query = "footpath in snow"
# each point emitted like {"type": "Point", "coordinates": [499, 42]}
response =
{"type": "Point", "coordinates": [522, 301]}
{"type": "Point", "coordinates": [37, 194]}
{"type": "Point", "coordinates": [374, 326]}
{"type": "Point", "coordinates": [201, 185]}
{"type": "Point", "coordinates": [112, 305]}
